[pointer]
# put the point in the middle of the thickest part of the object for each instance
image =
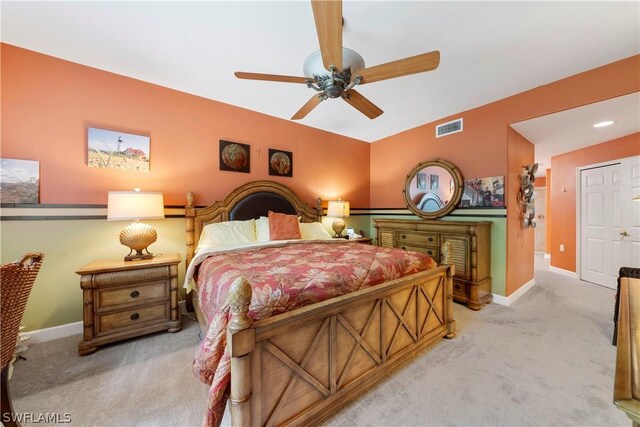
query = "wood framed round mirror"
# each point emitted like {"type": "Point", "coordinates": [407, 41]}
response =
{"type": "Point", "coordinates": [433, 188]}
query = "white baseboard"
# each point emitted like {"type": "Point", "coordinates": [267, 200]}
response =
{"type": "Point", "coordinates": [564, 272]}
{"type": "Point", "coordinates": [55, 332]}
{"type": "Point", "coordinates": [502, 300]}
{"type": "Point", "coordinates": [547, 256]}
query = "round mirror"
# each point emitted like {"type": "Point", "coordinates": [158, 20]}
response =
{"type": "Point", "coordinates": [433, 188]}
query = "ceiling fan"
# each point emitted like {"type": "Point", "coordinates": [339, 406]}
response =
{"type": "Point", "coordinates": [334, 70]}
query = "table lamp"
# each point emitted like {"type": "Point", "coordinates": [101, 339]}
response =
{"type": "Point", "coordinates": [338, 209]}
{"type": "Point", "coordinates": [136, 205]}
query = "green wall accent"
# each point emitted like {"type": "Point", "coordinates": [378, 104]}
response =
{"type": "Point", "coordinates": [498, 245]}
{"type": "Point", "coordinates": [56, 298]}
{"type": "Point", "coordinates": [68, 245]}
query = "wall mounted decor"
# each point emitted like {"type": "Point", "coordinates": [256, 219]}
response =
{"type": "Point", "coordinates": [117, 150]}
{"type": "Point", "coordinates": [19, 181]}
{"type": "Point", "coordinates": [526, 195]}
{"type": "Point", "coordinates": [235, 157]}
{"type": "Point", "coordinates": [280, 162]}
{"type": "Point", "coordinates": [434, 200]}
{"type": "Point", "coordinates": [483, 193]}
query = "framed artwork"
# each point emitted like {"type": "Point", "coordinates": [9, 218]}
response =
{"type": "Point", "coordinates": [483, 193]}
{"type": "Point", "coordinates": [235, 157]}
{"type": "Point", "coordinates": [421, 181]}
{"type": "Point", "coordinates": [19, 181]}
{"type": "Point", "coordinates": [280, 162]}
{"type": "Point", "coordinates": [434, 182]}
{"type": "Point", "coordinates": [117, 150]}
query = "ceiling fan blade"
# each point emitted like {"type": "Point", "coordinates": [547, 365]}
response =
{"type": "Point", "coordinates": [306, 108]}
{"type": "Point", "coordinates": [362, 104]}
{"type": "Point", "coordinates": [328, 17]}
{"type": "Point", "coordinates": [270, 77]}
{"type": "Point", "coordinates": [402, 67]}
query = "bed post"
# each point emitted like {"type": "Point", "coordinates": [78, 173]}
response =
{"type": "Point", "coordinates": [241, 341]}
{"type": "Point", "coordinates": [189, 214]}
{"type": "Point", "coordinates": [447, 258]}
{"type": "Point", "coordinates": [319, 209]}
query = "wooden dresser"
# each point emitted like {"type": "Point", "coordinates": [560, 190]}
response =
{"type": "Point", "coordinates": [470, 243]}
{"type": "Point", "coordinates": [125, 299]}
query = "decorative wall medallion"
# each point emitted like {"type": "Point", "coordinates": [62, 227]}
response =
{"type": "Point", "coordinates": [235, 157]}
{"type": "Point", "coordinates": [280, 162]}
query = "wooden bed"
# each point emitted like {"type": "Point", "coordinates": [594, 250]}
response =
{"type": "Point", "coordinates": [298, 367]}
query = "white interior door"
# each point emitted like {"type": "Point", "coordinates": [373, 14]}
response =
{"type": "Point", "coordinates": [601, 219]}
{"type": "Point", "coordinates": [609, 221]}
{"type": "Point", "coordinates": [628, 241]}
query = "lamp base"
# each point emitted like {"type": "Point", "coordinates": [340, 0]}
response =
{"type": "Point", "coordinates": [137, 236]}
{"type": "Point", "coordinates": [137, 257]}
{"type": "Point", "coordinates": [338, 226]}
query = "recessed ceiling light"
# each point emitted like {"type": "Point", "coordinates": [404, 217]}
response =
{"type": "Point", "coordinates": [603, 124]}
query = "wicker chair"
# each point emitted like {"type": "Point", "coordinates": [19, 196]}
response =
{"type": "Point", "coordinates": [17, 280]}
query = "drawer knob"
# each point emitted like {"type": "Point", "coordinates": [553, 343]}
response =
{"type": "Point", "coordinates": [403, 248]}
{"type": "Point", "coordinates": [135, 316]}
{"type": "Point", "coordinates": [135, 294]}
{"type": "Point", "coordinates": [431, 239]}
{"type": "Point", "coordinates": [404, 236]}
{"type": "Point", "coordinates": [430, 252]}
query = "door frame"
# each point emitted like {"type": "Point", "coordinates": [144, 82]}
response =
{"type": "Point", "coordinates": [579, 170]}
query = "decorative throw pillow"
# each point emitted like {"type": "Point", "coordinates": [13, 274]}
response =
{"type": "Point", "coordinates": [262, 229]}
{"type": "Point", "coordinates": [314, 231]}
{"type": "Point", "coordinates": [283, 227]}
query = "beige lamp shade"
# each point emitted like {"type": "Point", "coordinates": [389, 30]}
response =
{"type": "Point", "coordinates": [136, 205]}
{"type": "Point", "coordinates": [338, 209]}
{"type": "Point", "coordinates": [133, 205]}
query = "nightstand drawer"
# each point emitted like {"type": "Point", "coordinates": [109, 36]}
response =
{"type": "Point", "coordinates": [113, 278]}
{"type": "Point", "coordinates": [132, 318]}
{"type": "Point", "coordinates": [418, 238]}
{"type": "Point", "coordinates": [131, 294]}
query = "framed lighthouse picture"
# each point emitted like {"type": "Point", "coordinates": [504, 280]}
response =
{"type": "Point", "coordinates": [113, 149]}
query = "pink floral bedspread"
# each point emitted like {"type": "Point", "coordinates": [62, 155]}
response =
{"type": "Point", "coordinates": [284, 278]}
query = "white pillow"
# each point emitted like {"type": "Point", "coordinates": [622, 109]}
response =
{"type": "Point", "coordinates": [314, 231]}
{"type": "Point", "coordinates": [262, 229]}
{"type": "Point", "coordinates": [227, 233]}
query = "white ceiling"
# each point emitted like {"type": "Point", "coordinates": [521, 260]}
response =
{"type": "Point", "coordinates": [573, 129]}
{"type": "Point", "coordinates": [489, 50]}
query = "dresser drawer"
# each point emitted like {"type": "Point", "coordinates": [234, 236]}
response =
{"type": "Point", "coordinates": [417, 238]}
{"type": "Point", "coordinates": [432, 252]}
{"type": "Point", "coordinates": [132, 318]}
{"type": "Point", "coordinates": [138, 293]}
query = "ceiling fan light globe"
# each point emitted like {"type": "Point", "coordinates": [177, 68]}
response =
{"type": "Point", "coordinates": [313, 65]}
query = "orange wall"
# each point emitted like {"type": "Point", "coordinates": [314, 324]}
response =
{"type": "Point", "coordinates": [563, 192]}
{"type": "Point", "coordinates": [541, 181]}
{"type": "Point", "coordinates": [47, 104]}
{"type": "Point", "coordinates": [481, 149]}
{"type": "Point", "coordinates": [520, 241]}
{"type": "Point", "coordinates": [547, 214]}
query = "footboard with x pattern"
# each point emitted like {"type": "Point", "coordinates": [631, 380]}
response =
{"type": "Point", "coordinates": [298, 367]}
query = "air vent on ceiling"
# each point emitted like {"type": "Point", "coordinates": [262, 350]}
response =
{"type": "Point", "coordinates": [449, 128]}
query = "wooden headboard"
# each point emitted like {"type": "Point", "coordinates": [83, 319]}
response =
{"type": "Point", "coordinates": [249, 201]}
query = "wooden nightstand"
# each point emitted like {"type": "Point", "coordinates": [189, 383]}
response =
{"type": "Point", "coordinates": [125, 299]}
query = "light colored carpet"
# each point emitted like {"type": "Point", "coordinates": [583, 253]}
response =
{"type": "Point", "coordinates": [546, 360]}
